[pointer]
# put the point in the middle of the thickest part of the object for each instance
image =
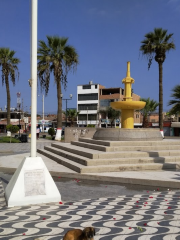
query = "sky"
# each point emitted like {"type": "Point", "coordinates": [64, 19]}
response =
{"type": "Point", "coordinates": [105, 33]}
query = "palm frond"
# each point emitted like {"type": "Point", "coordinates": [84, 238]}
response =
{"type": "Point", "coordinates": [150, 106]}
{"type": "Point", "coordinates": [59, 57]}
{"type": "Point", "coordinates": [157, 43]}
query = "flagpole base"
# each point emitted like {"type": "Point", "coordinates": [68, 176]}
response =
{"type": "Point", "coordinates": [31, 184]}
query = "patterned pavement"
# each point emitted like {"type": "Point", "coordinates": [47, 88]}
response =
{"type": "Point", "coordinates": [154, 216]}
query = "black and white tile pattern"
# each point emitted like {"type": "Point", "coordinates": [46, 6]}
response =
{"type": "Point", "coordinates": [2, 199]}
{"type": "Point", "coordinates": [139, 217]}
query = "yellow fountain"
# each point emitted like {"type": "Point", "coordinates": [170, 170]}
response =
{"type": "Point", "coordinates": [128, 106]}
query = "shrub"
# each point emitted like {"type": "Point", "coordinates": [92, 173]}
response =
{"type": "Point", "coordinates": [51, 131]}
{"type": "Point", "coordinates": [12, 128]}
{"type": "Point", "coordinates": [91, 125]}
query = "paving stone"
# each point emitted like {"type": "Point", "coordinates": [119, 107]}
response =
{"type": "Point", "coordinates": [135, 217]}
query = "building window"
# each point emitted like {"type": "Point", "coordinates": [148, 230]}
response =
{"type": "Point", "coordinates": [96, 86]}
{"type": "Point", "coordinates": [87, 97]}
{"type": "Point", "coordinates": [105, 102]}
{"type": "Point", "coordinates": [83, 117]}
{"type": "Point", "coordinates": [87, 107]}
{"type": "Point", "coordinates": [86, 86]}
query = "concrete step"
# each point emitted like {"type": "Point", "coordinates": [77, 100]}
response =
{"type": "Point", "coordinates": [95, 154]}
{"type": "Point", "coordinates": [92, 146]}
{"type": "Point", "coordinates": [61, 160]}
{"type": "Point", "coordinates": [108, 168]}
{"type": "Point", "coordinates": [130, 143]}
{"type": "Point", "coordinates": [77, 150]}
{"type": "Point", "coordinates": [125, 148]}
{"type": "Point", "coordinates": [71, 156]}
{"type": "Point", "coordinates": [94, 162]}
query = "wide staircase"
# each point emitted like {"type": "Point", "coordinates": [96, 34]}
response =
{"type": "Point", "coordinates": [95, 156]}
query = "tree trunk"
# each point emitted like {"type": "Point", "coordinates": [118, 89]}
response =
{"type": "Point", "coordinates": [8, 99]}
{"type": "Point", "coordinates": [59, 112]}
{"type": "Point", "coordinates": [160, 96]}
{"type": "Point", "coordinates": [145, 122]}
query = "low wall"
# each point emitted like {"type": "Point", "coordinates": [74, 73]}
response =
{"type": "Point", "coordinates": [74, 133]}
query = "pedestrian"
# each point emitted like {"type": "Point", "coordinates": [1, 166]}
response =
{"type": "Point", "coordinates": [37, 133]}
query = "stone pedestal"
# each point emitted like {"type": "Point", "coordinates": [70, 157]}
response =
{"type": "Point", "coordinates": [124, 134]}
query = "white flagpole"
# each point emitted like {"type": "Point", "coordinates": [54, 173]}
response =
{"type": "Point", "coordinates": [33, 76]}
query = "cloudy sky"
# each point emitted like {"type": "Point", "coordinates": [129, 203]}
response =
{"type": "Point", "coordinates": [105, 33]}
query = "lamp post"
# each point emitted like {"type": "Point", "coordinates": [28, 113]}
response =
{"type": "Point", "coordinates": [19, 106]}
{"type": "Point", "coordinates": [66, 99]}
{"type": "Point", "coordinates": [25, 115]}
{"type": "Point", "coordinates": [19, 118]}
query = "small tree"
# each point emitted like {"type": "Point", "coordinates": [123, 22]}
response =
{"type": "Point", "coordinates": [111, 113]}
{"type": "Point", "coordinates": [12, 128]}
{"type": "Point", "coordinates": [72, 115]}
{"type": "Point", "coordinates": [51, 132]}
{"type": "Point", "coordinates": [150, 107]}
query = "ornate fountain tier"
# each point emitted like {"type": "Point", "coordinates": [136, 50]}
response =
{"type": "Point", "coordinates": [127, 107]}
{"type": "Point", "coordinates": [137, 105]}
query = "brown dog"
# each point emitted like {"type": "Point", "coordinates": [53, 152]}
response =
{"type": "Point", "coordinates": [78, 234]}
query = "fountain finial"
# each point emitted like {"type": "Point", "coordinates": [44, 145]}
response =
{"type": "Point", "coordinates": [128, 80]}
{"type": "Point", "coordinates": [128, 69]}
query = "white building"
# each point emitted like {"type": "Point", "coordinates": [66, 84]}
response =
{"type": "Point", "coordinates": [88, 104]}
{"type": "Point", "coordinates": [92, 97]}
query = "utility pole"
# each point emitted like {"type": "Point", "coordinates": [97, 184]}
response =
{"type": "Point", "coordinates": [66, 99]}
{"type": "Point", "coordinates": [22, 108]}
{"type": "Point", "coordinates": [19, 107]}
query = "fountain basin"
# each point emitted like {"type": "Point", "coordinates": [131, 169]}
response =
{"type": "Point", "coordinates": [122, 134]}
{"type": "Point", "coordinates": [134, 105]}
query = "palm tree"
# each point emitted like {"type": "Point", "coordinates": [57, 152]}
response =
{"type": "Point", "coordinates": [72, 115]}
{"type": "Point", "coordinates": [56, 57]}
{"type": "Point", "coordinates": [176, 101]}
{"type": "Point", "coordinates": [111, 113]}
{"type": "Point", "coordinates": [154, 46]}
{"type": "Point", "coordinates": [9, 68]}
{"type": "Point", "coordinates": [150, 106]}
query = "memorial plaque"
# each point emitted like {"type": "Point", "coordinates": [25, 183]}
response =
{"type": "Point", "coordinates": [34, 182]}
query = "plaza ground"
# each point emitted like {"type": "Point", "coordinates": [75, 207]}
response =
{"type": "Point", "coordinates": [117, 211]}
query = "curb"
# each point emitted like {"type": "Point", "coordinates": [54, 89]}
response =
{"type": "Point", "coordinates": [133, 181]}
